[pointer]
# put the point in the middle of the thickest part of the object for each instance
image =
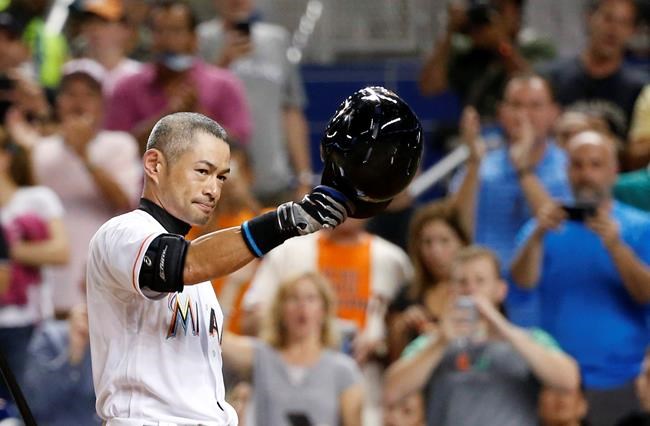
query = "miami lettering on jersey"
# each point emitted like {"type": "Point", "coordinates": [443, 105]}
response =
{"type": "Point", "coordinates": [185, 314]}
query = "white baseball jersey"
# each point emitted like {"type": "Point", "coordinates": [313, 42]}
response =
{"type": "Point", "coordinates": [156, 357]}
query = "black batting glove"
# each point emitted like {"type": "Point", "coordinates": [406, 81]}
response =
{"type": "Point", "coordinates": [324, 207]}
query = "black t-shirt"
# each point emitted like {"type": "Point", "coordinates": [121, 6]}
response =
{"type": "Point", "coordinates": [478, 75]}
{"type": "Point", "coordinates": [402, 300]}
{"type": "Point", "coordinates": [612, 97]}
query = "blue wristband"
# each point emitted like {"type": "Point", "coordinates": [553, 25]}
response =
{"type": "Point", "coordinates": [264, 233]}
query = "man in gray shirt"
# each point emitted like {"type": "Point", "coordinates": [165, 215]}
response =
{"type": "Point", "coordinates": [256, 53]}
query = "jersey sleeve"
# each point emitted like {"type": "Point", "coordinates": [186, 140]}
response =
{"type": "Point", "coordinates": [121, 247]}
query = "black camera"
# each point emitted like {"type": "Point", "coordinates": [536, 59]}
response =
{"type": "Point", "coordinates": [244, 27]}
{"type": "Point", "coordinates": [579, 212]}
{"type": "Point", "coordinates": [480, 13]}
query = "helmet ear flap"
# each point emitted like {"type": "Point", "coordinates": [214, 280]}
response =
{"type": "Point", "coordinates": [371, 149]}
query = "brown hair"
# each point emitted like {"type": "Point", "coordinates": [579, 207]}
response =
{"type": "Point", "coordinates": [20, 167]}
{"type": "Point", "coordinates": [274, 331]}
{"type": "Point", "coordinates": [475, 252]}
{"type": "Point", "coordinates": [436, 211]}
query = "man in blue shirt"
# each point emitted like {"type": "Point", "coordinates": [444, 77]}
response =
{"type": "Point", "coordinates": [499, 191]}
{"type": "Point", "coordinates": [592, 277]}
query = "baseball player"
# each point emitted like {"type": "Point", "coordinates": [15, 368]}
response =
{"type": "Point", "coordinates": [155, 322]}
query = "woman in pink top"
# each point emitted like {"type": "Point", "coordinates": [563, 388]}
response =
{"type": "Point", "coordinates": [31, 218]}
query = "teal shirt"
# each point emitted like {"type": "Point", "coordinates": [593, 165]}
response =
{"type": "Point", "coordinates": [537, 334]}
{"type": "Point", "coordinates": [633, 188]}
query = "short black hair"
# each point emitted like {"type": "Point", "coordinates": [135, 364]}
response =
{"type": "Point", "coordinates": [174, 134]}
{"type": "Point", "coordinates": [168, 4]}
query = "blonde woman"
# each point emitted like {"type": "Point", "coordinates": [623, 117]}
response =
{"type": "Point", "coordinates": [297, 376]}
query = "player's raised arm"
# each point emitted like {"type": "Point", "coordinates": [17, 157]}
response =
{"type": "Point", "coordinates": [372, 148]}
{"type": "Point", "coordinates": [222, 252]}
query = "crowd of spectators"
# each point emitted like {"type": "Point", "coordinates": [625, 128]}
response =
{"type": "Point", "coordinates": [522, 296]}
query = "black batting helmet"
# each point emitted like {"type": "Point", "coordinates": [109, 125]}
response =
{"type": "Point", "coordinates": [371, 149]}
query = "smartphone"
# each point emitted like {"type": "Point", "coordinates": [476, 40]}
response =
{"type": "Point", "coordinates": [243, 27]}
{"type": "Point", "coordinates": [298, 419]}
{"type": "Point", "coordinates": [579, 212]}
{"type": "Point", "coordinates": [465, 321]}
{"type": "Point", "coordinates": [466, 310]}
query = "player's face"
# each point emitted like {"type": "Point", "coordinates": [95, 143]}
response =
{"type": "Point", "coordinates": [192, 184]}
{"type": "Point", "coordinates": [438, 246]}
{"type": "Point", "coordinates": [478, 277]}
{"type": "Point", "coordinates": [303, 310]}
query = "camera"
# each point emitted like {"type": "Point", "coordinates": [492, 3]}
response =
{"type": "Point", "coordinates": [477, 13]}
{"type": "Point", "coordinates": [244, 27]}
{"type": "Point", "coordinates": [466, 310]}
{"type": "Point", "coordinates": [465, 319]}
{"type": "Point", "coordinates": [579, 212]}
{"type": "Point", "coordinates": [480, 13]}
